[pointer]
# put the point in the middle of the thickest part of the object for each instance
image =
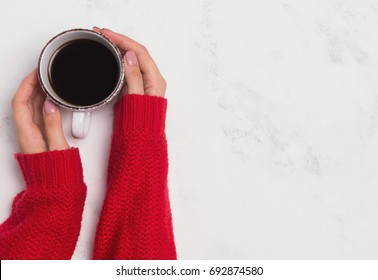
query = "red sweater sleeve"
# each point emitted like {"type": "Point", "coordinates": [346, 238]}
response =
{"type": "Point", "coordinates": [45, 218]}
{"type": "Point", "coordinates": [136, 220]}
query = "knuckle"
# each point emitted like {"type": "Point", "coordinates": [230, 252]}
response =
{"type": "Point", "coordinates": [135, 75]}
{"type": "Point", "coordinates": [143, 48]}
{"type": "Point", "coordinates": [160, 83]}
{"type": "Point", "coordinates": [51, 122]}
{"type": "Point", "coordinates": [163, 83]}
{"type": "Point", "coordinates": [25, 80]}
{"type": "Point", "coordinates": [14, 102]}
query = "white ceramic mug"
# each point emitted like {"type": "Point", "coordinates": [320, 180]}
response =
{"type": "Point", "coordinates": [81, 118]}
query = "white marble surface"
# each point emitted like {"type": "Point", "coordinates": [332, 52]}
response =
{"type": "Point", "coordinates": [272, 124]}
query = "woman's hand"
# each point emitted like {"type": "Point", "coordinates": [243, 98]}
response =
{"type": "Point", "coordinates": [141, 73]}
{"type": "Point", "coordinates": [37, 120]}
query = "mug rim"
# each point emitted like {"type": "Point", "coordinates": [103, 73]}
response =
{"type": "Point", "coordinates": [73, 107]}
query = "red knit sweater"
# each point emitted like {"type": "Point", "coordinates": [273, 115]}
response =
{"type": "Point", "coordinates": [135, 222]}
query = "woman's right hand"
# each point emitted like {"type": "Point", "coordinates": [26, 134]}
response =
{"type": "Point", "coordinates": [141, 73]}
{"type": "Point", "coordinates": [37, 119]}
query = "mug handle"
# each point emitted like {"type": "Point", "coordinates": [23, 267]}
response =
{"type": "Point", "coordinates": [80, 124]}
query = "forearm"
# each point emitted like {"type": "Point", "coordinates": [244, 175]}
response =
{"type": "Point", "coordinates": [46, 217]}
{"type": "Point", "coordinates": [136, 221]}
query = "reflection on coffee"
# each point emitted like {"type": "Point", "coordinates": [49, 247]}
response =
{"type": "Point", "coordinates": [83, 72]}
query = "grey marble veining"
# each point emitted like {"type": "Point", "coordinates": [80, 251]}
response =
{"type": "Point", "coordinates": [272, 121]}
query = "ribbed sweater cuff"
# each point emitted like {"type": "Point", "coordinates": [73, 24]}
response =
{"type": "Point", "coordinates": [52, 169]}
{"type": "Point", "coordinates": [135, 112]}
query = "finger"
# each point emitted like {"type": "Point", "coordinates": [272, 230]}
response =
{"type": "Point", "coordinates": [153, 81]}
{"type": "Point", "coordinates": [133, 75]}
{"type": "Point", "coordinates": [53, 127]}
{"type": "Point", "coordinates": [26, 89]}
{"type": "Point", "coordinates": [38, 112]}
{"type": "Point", "coordinates": [22, 102]}
{"type": "Point", "coordinates": [97, 29]}
{"type": "Point", "coordinates": [146, 63]}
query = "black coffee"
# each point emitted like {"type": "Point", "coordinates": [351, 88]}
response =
{"type": "Point", "coordinates": [83, 72]}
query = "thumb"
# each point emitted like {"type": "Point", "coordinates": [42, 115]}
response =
{"type": "Point", "coordinates": [53, 127]}
{"type": "Point", "coordinates": [133, 75]}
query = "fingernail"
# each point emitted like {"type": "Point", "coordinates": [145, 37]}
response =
{"type": "Point", "coordinates": [97, 29]}
{"type": "Point", "coordinates": [50, 107]}
{"type": "Point", "coordinates": [130, 58]}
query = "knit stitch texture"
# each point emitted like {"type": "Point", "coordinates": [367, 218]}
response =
{"type": "Point", "coordinates": [136, 220]}
{"type": "Point", "coordinates": [46, 217]}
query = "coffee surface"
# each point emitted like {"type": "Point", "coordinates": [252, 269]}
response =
{"type": "Point", "coordinates": [83, 72]}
